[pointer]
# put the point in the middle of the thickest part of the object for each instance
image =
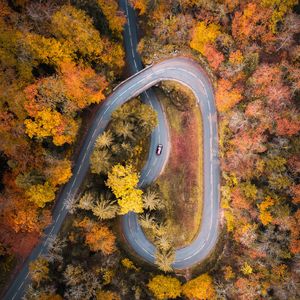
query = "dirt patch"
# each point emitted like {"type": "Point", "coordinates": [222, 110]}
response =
{"type": "Point", "coordinates": [182, 180]}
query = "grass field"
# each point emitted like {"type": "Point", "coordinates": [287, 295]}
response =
{"type": "Point", "coordinates": [182, 180]}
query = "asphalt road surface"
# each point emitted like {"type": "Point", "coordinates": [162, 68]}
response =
{"type": "Point", "coordinates": [190, 74]}
{"type": "Point", "coordinates": [186, 72]}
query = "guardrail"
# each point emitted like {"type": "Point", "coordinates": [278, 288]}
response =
{"type": "Point", "coordinates": [135, 74]}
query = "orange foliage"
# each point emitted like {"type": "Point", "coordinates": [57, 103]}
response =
{"type": "Point", "coordinates": [265, 216]}
{"type": "Point", "coordinates": [214, 57]}
{"type": "Point", "coordinates": [116, 19]}
{"type": "Point", "coordinates": [252, 24]}
{"type": "Point", "coordinates": [140, 5]}
{"type": "Point", "coordinates": [82, 85]}
{"type": "Point", "coordinates": [21, 215]}
{"type": "Point", "coordinates": [267, 82]}
{"type": "Point", "coordinates": [238, 201]}
{"type": "Point", "coordinates": [98, 237]}
{"type": "Point", "coordinates": [226, 95]}
{"type": "Point", "coordinates": [287, 126]}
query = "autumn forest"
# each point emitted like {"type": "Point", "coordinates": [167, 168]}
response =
{"type": "Point", "coordinates": [60, 60]}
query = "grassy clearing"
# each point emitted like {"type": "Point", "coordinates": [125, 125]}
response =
{"type": "Point", "coordinates": [182, 180]}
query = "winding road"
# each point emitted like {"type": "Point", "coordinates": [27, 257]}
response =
{"type": "Point", "coordinates": [188, 73]}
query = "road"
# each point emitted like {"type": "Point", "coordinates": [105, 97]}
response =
{"type": "Point", "coordinates": [188, 73]}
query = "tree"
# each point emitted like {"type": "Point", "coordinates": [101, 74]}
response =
{"type": "Point", "coordinates": [203, 35]}
{"type": "Point", "coordinates": [21, 215]}
{"type": "Point", "coordinates": [147, 221]}
{"type": "Point", "coordinates": [75, 30]}
{"type": "Point", "coordinates": [200, 288]}
{"type": "Point", "coordinates": [107, 295]}
{"type": "Point", "coordinates": [86, 201]}
{"type": "Point", "coordinates": [264, 215]}
{"type": "Point", "coordinates": [140, 5]}
{"type": "Point", "coordinates": [105, 140]}
{"type": "Point", "coordinates": [97, 237]}
{"type": "Point", "coordinates": [226, 95]}
{"type": "Point", "coordinates": [251, 24]}
{"type": "Point", "coordinates": [39, 270]}
{"type": "Point", "coordinates": [100, 161]}
{"type": "Point", "coordinates": [40, 194]}
{"type": "Point", "coordinates": [165, 287]}
{"type": "Point", "coordinates": [116, 18]}
{"type": "Point", "coordinates": [164, 259]}
{"type": "Point", "coordinates": [73, 274]}
{"type": "Point", "coordinates": [59, 172]}
{"type": "Point", "coordinates": [105, 208]}
{"type": "Point", "coordinates": [48, 123]}
{"type": "Point", "coordinates": [123, 182]}
{"type": "Point", "coordinates": [152, 201]}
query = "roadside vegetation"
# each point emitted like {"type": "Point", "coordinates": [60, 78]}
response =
{"type": "Point", "coordinates": [60, 58]}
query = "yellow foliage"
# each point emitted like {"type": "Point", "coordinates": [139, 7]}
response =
{"type": "Point", "coordinates": [46, 50]}
{"type": "Point", "coordinates": [246, 269]}
{"type": "Point", "coordinates": [116, 20]}
{"type": "Point", "coordinates": [280, 8]}
{"type": "Point", "coordinates": [204, 34]}
{"type": "Point", "coordinates": [236, 57]}
{"type": "Point", "coordinates": [60, 173]}
{"type": "Point", "coordinates": [75, 30]}
{"type": "Point", "coordinates": [39, 270]}
{"type": "Point", "coordinates": [40, 194]}
{"type": "Point", "coordinates": [107, 295]}
{"type": "Point", "coordinates": [45, 124]}
{"type": "Point", "coordinates": [140, 5]}
{"type": "Point", "coordinates": [165, 287]}
{"type": "Point", "coordinates": [200, 288]}
{"type": "Point", "coordinates": [51, 123]}
{"type": "Point", "coordinates": [229, 220]}
{"type": "Point", "coordinates": [228, 273]}
{"type": "Point", "coordinates": [123, 182]}
{"type": "Point", "coordinates": [127, 263]}
{"type": "Point", "coordinates": [264, 215]}
{"type": "Point", "coordinates": [108, 276]}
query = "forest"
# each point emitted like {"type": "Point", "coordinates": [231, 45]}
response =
{"type": "Point", "coordinates": [60, 59]}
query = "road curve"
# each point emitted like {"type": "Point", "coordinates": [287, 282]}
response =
{"type": "Point", "coordinates": [186, 72]}
{"type": "Point", "coordinates": [193, 77]}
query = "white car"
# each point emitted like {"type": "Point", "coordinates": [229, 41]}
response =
{"type": "Point", "coordinates": [159, 149]}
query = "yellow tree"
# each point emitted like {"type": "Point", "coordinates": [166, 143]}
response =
{"type": "Point", "coordinates": [165, 287]}
{"type": "Point", "coordinates": [107, 295]}
{"type": "Point", "coordinates": [75, 30]}
{"type": "Point", "coordinates": [123, 182]}
{"type": "Point", "coordinates": [264, 214]}
{"type": "Point", "coordinates": [204, 35]}
{"type": "Point", "coordinates": [39, 270]}
{"type": "Point", "coordinates": [59, 172]}
{"type": "Point", "coordinates": [200, 288]}
{"type": "Point", "coordinates": [40, 194]}
{"type": "Point", "coordinates": [49, 123]}
{"type": "Point", "coordinates": [115, 18]}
